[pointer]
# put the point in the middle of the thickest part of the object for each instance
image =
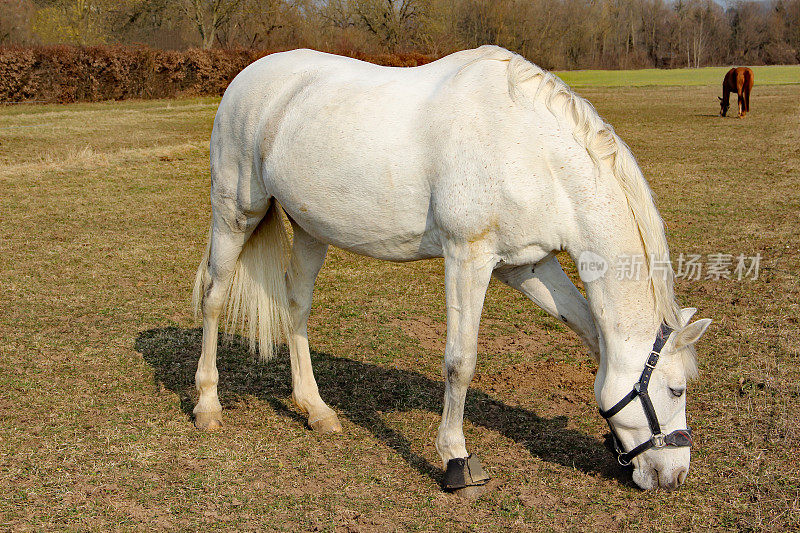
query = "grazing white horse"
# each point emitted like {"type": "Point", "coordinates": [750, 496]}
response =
{"type": "Point", "coordinates": [481, 158]}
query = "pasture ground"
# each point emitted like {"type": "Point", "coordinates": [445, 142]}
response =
{"type": "Point", "coordinates": [104, 211]}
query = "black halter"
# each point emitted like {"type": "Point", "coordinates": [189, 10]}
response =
{"type": "Point", "coordinates": [680, 437]}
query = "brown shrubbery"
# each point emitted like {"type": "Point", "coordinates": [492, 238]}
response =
{"type": "Point", "coordinates": [87, 74]}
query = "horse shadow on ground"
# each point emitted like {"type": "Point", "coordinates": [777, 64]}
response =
{"type": "Point", "coordinates": [361, 392]}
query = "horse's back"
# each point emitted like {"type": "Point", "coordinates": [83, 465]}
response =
{"type": "Point", "coordinates": [738, 78]}
{"type": "Point", "coordinates": [264, 79]}
{"type": "Point", "coordinates": [275, 88]}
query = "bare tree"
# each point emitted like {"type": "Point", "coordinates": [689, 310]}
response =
{"type": "Point", "coordinates": [391, 21]}
{"type": "Point", "coordinates": [554, 33]}
{"type": "Point", "coordinates": [81, 22]}
{"type": "Point", "coordinates": [208, 16]}
{"type": "Point", "coordinates": [15, 21]}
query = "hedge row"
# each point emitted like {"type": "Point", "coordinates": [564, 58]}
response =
{"type": "Point", "coordinates": [66, 74]}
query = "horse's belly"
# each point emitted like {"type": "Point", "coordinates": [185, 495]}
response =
{"type": "Point", "coordinates": [361, 214]}
{"type": "Point", "coordinates": [384, 234]}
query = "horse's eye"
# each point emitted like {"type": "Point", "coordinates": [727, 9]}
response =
{"type": "Point", "coordinates": [677, 392]}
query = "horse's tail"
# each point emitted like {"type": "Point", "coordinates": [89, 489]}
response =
{"type": "Point", "coordinates": [257, 304]}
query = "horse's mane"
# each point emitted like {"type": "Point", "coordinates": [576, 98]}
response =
{"type": "Point", "coordinates": [602, 144]}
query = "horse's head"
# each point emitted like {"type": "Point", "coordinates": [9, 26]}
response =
{"type": "Point", "coordinates": [723, 106]}
{"type": "Point", "coordinates": [644, 399]}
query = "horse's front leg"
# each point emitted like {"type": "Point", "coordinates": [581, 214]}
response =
{"type": "Point", "coordinates": [549, 287]}
{"type": "Point", "coordinates": [467, 273]}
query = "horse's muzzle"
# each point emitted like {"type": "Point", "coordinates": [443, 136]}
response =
{"type": "Point", "coordinates": [650, 478]}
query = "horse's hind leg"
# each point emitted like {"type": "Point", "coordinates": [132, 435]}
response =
{"type": "Point", "coordinates": [244, 268]}
{"type": "Point", "coordinates": [214, 279]}
{"type": "Point", "coordinates": [308, 254]}
{"type": "Point", "coordinates": [747, 100]}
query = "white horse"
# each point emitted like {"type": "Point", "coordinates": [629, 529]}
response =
{"type": "Point", "coordinates": [481, 158]}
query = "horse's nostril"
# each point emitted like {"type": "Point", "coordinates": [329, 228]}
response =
{"type": "Point", "coordinates": [676, 480]}
{"type": "Point", "coordinates": [671, 482]}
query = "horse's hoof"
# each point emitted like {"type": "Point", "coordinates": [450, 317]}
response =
{"type": "Point", "coordinates": [329, 424]}
{"type": "Point", "coordinates": [463, 474]}
{"type": "Point", "coordinates": [208, 421]}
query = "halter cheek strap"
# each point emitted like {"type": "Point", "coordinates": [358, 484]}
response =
{"type": "Point", "coordinates": [680, 437]}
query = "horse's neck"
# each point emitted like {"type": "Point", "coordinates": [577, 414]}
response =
{"type": "Point", "coordinates": [623, 310]}
{"type": "Point", "coordinates": [621, 301]}
{"type": "Point", "coordinates": [602, 194]}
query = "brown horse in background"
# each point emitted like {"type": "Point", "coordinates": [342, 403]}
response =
{"type": "Point", "coordinates": [740, 81]}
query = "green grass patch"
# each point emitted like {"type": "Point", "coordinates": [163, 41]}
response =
{"type": "Point", "coordinates": [764, 75]}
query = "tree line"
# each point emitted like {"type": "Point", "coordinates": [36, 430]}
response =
{"type": "Point", "coordinates": [556, 34]}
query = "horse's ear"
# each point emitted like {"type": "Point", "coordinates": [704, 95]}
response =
{"type": "Point", "coordinates": [691, 333]}
{"type": "Point", "coordinates": [686, 314]}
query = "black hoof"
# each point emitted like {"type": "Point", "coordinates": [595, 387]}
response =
{"type": "Point", "coordinates": [463, 473]}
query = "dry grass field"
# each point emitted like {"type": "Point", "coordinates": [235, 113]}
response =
{"type": "Point", "coordinates": [104, 212]}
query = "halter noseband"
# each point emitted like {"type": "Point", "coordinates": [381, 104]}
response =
{"type": "Point", "coordinates": [680, 437]}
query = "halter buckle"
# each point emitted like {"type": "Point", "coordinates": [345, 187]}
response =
{"type": "Point", "coordinates": [658, 440]}
{"type": "Point", "coordinates": [647, 363]}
